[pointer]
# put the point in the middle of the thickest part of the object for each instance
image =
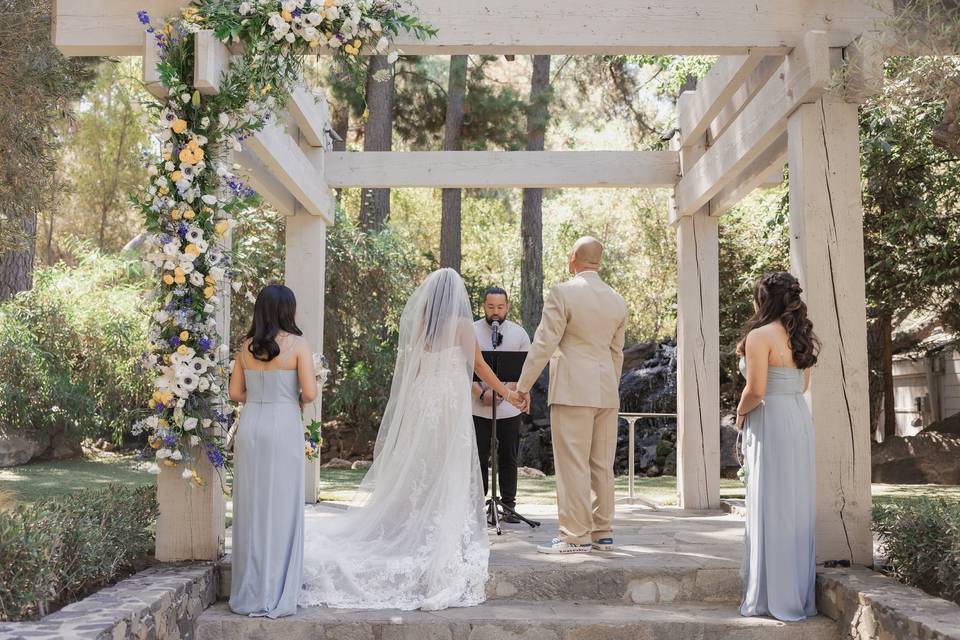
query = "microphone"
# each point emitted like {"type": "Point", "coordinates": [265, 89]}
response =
{"type": "Point", "coordinates": [495, 337]}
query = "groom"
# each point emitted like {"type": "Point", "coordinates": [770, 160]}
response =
{"type": "Point", "coordinates": [581, 334]}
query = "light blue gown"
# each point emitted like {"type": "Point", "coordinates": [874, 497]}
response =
{"type": "Point", "coordinates": [779, 561]}
{"type": "Point", "coordinates": [268, 497]}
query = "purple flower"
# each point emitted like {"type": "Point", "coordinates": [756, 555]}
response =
{"type": "Point", "coordinates": [165, 238]}
{"type": "Point", "coordinates": [204, 344]}
{"type": "Point", "coordinates": [182, 230]}
{"type": "Point", "coordinates": [174, 341]}
{"type": "Point", "coordinates": [170, 440]}
{"type": "Point", "coordinates": [214, 455]}
{"type": "Point", "coordinates": [143, 16]}
{"type": "Point", "coordinates": [296, 13]}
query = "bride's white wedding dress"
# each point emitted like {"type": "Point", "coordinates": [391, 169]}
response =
{"type": "Point", "coordinates": [415, 536]}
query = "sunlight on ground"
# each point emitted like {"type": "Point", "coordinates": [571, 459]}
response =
{"type": "Point", "coordinates": [32, 482]}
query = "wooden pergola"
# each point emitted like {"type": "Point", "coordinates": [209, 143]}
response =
{"type": "Point", "coordinates": [770, 99]}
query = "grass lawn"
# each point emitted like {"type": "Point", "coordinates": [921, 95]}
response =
{"type": "Point", "coordinates": [32, 482]}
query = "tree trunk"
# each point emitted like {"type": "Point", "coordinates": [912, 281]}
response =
{"type": "Point", "coordinates": [50, 216]}
{"type": "Point", "coordinates": [875, 372]}
{"type": "Point", "coordinates": [16, 266]}
{"type": "Point", "coordinates": [377, 136]}
{"type": "Point", "coordinates": [531, 221]}
{"type": "Point", "coordinates": [889, 407]}
{"type": "Point", "coordinates": [341, 126]}
{"type": "Point", "coordinates": [450, 228]}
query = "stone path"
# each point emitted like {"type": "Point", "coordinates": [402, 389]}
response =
{"type": "Point", "coordinates": [674, 575]}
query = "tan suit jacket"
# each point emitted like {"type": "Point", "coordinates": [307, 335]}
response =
{"type": "Point", "coordinates": [581, 334]}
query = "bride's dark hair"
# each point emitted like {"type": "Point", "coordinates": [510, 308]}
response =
{"type": "Point", "coordinates": [274, 310]}
{"type": "Point", "coordinates": [777, 297]}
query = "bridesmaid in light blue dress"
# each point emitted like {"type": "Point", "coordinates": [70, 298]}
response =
{"type": "Point", "coordinates": [273, 373]}
{"type": "Point", "coordinates": [777, 351]}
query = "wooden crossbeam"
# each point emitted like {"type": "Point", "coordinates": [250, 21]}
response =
{"type": "Point", "coordinates": [501, 169]}
{"type": "Point", "coordinates": [803, 77]}
{"type": "Point", "coordinates": [743, 95]}
{"type": "Point", "coordinates": [765, 170]}
{"type": "Point", "coordinates": [265, 183]}
{"type": "Point", "coordinates": [697, 109]}
{"type": "Point", "coordinates": [283, 158]}
{"type": "Point", "coordinates": [708, 27]}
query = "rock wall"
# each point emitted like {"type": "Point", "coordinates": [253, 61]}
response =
{"type": "Point", "coordinates": [20, 447]}
{"type": "Point", "coordinates": [930, 457]}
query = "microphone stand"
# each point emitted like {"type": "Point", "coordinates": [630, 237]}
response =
{"type": "Point", "coordinates": [493, 515]}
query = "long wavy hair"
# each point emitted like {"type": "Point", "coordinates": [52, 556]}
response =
{"type": "Point", "coordinates": [777, 297]}
{"type": "Point", "coordinates": [274, 310]}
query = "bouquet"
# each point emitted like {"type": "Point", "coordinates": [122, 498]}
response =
{"type": "Point", "coordinates": [312, 440]}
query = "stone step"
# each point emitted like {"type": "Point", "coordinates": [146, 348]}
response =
{"type": "Point", "coordinates": [514, 620]}
{"type": "Point", "coordinates": [599, 579]}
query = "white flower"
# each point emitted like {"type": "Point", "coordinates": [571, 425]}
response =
{"type": "Point", "coordinates": [164, 453]}
{"type": "Point", "coordinates": [161, 316]}
{"type": "Point", "coordinates": [374, 25]}
{"type": "Point", "coordinates": [153, 468]}
{"type": "Point", "coordinates": [151, 170]}
{"type": "Point", "coordinates": [169, 166]}
{"type": "Point", "coordinates": [310, 33]}
{"type": "Point", "coordinates": [204, 122]}
{"type": "Point", "coordinates": [290, 37]}
{"type": "Point", "coordinates": [217, 273]}
{"type": "Point", "coordinates": [382, 44]}
{"type": "Point", "coordinates": [194, 233]}
{"type": "Point", "coordinates": [181, 403]}
{"type": "Point", "coordinates": [188, 268]}
{"type": "Point", "coordinates": [189, 424]}
{"type": "Point", "coordinates": [194, 441]}
{"type": "Point", "coordinates": [176, 455]}
{"type": "Point", "coordinates": [214, 388]}
{"type": "Point", "coordinates": [185, 97]}
{"type": "Point", "coordinates": [332, 13]}
{"type": "Point", "coordinates": [204, 384]}
{"type": "Point", "coordinates": [186, 474]}
{"type": "Point", "coordinates": [208, 199]}
{"type": "Point", "coordinates": [392, 57]}
{"type": "Point", "coordinates": [151, 423]}
{"type": "Point", "coordinates": [196, 279]}
{"type": "Point", "coordinates": [202, 245]}
{"type": "Point", "coordinates": [313, 18]}
{"type": "Point", "coordinates": [245, 8]}
{"type": "Point", "coordinates": [224, 120]}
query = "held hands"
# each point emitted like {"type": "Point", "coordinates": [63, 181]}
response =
{"type": "Point", "coordinates": [520, 400]}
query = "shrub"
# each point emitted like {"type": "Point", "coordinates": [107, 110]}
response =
{"type": "Point", "coordinates": [922, 541]}
{"type": "Point", "coordinates": [70, 350]}
{"type": "Point", "coordinates": [57, 550]}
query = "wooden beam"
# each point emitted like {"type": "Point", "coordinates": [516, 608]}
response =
{"type": "Point", "coordinates": [282, 157]}
{"type": "Point", "coordinates": [743, 95]}
{"type": "Point", "coordinates": [803, 77]}
{"type": "Point", "coordinates": [700, 107]}
{"type": "Point", "coordinates": [766, 170]}
{"type": "Point", "coordinates": [264, 183]}
{"type": "Point", "coordinates": [501, 169]}
{"type": "Point", "coordinates": [211, 61]}
{"type": "Point", "coordinates": [707, 27]}
{"type": "Point", "coordinates": [311, 114]}
{"type": "Point", "coordinates": [151, 78]}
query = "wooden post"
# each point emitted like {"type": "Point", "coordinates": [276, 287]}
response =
{"type": "Point", "coordinates": [698, 350]}
{"type": "Point", "coordinates": [826, 254]}
{"type": "Point", "coordinates": [191, 523]}
{"type": "Point", "coordinates": [304, 273]}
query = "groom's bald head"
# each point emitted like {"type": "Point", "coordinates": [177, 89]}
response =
{"type": "Point", "coordinates": [586, 254]}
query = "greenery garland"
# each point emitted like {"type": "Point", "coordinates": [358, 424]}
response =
{"type": "Point", "coordinates": [189, 202]}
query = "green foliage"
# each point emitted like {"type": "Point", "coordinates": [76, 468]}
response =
{"type": "Point", "coordinates": [922, 541]}
{"type": "Point", "coordinates": [70, 349]}
{"type": "Point", "coordinates": [36, 84]}
{"type": "Point", "coordinates": [59, 549]}
{"type": "Point", "coordinates": [369, 278]}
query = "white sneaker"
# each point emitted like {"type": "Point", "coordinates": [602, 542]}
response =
{"type": "Point", "coordinates": [603, 544]}
{"type": "Point", "coordinates": [559, 546]}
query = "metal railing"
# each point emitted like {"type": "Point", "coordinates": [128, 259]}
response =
{"type": "Point", "coordinates": [632, 419]}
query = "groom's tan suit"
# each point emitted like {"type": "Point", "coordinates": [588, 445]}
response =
{"type": "Point", "coordinates": [581, 334]}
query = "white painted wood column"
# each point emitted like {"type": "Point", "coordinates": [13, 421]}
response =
{"type": "Point", "coordinates": [698, 349]}
{"type": "Point", "coordinates": [826, 254]}
{"type": "Point", "coordinates": [305, 266]}
{"type": "Point", "coordinates": [698, 362]}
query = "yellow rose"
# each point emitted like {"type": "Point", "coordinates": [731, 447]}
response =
{"type": "Point", "coordinates": [356, 43]}
{"type": "Point", "coordinates": [179, 125]}
{"type": "Point", "coordinates": [186, 155]}
{"type": "Point", "coordinates": [209, 280]}
{"type": "Point", "coordinates": [169, 462]}
{"type": "Point", "coordinates": [163, 191]}
{"type": "Point", "coordinates": [193, 144]}
{"type": "Point", "coordinates": [155, 444]}
{"type": "Point", "coordinates": [178, 272]}
{"type": "Point", "coordinates": [286, 15]}
{"type": "Point", "coordinates": [221, 227]}
{"type": "Point", "coordinates": [175, 214]}
{"type": "Point", "coordinates": [188, 214]}
{"type": "Point", "coordinates": [183, 349]}
{"type": "Point", "coordinates": [166, 156]}
{"type": "Point", "coordinates": [176, 176]}
{"type": "Point", "coordinates": [198, 155]}
{"type": "Point", "coordinates": [179, 279]}
{"type": "Point", "coordinates": [314, 44]}
{"type": "Point", "coordinates": [152, 404]}
{"type": "Point", "coordinates": [192, 249]}
{"type": "Point", "coordinates": [349, 49]}
{"type": "Point", "coordinates": [184, 335]}
{"type": "Point", "coordinates": [167, 396]}
{"type": "Point", "coordinates": [328, 3]}
{"type": "Point", "coordinates": [208, 292]}
{"type": "Point", "coordinates": [168, 279]}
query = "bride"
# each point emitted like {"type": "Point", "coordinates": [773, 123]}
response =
{"type": "Point", "coordinates": [415, 536]}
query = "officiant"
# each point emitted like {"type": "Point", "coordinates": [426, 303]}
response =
{"type": "Point", "coordinates": [508, 336]}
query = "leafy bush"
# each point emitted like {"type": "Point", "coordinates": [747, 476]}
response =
{"type": "Point", "coordinates": [922, 541]}
{"type": "Point", "coordinates": [70, 349]}
{"type": "Point", "coordinates": [57, 550]}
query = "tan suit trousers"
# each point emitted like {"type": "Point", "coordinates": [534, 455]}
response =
{"type": "Point", "coordinates": [584, 446]}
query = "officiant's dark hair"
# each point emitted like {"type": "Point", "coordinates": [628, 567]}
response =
{"type": "Point", "coordinates": [274, 310]}
{"type": "Point", "coordinates": [495, 291]}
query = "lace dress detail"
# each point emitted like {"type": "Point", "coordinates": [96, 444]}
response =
{"type": "Point", "coordinates": [416, 536]}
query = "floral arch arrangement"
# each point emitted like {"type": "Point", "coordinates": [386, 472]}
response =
{"type": "Point", "coordinates": [192, 192]}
